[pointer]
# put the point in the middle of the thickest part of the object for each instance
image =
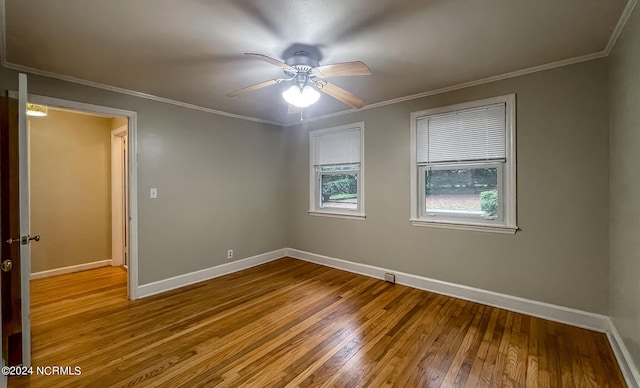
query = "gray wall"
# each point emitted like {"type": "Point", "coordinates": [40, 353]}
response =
{"type": "Point", "coordinates": [624, 197]}
{"type": "Point", "coordinates": [219, 179]}
{"type": "Point", "coordinates": [559, 256]}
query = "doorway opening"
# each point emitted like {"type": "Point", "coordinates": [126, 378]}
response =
{"type": "Point", "coordinates": [78, 191]}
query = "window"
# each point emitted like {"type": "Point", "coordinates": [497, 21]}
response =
{"type": "Point", "coordinates": [337, 175]}
{"type": "Point", "coordinates": [463, 166]}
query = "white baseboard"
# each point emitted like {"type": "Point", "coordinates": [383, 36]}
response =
{"type": "Point", "coordinates": [543, 310]}
{"type": "Point", "coordinates": [70, 269]}
{"type": "Point", "coordinates": [208, 273]}
{"type": "Point", "coordinates": [628, 367]}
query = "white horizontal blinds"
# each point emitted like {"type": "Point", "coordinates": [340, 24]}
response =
{"type": "Point", "coordinates": [337, 147]}
{"type": "Point", "coordinates": [468, 135]}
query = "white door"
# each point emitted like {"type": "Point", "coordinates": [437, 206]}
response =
{"type": "Point", "coordinates": [25, 250]}
{"type": "Point", "coordinates": [14, 279]}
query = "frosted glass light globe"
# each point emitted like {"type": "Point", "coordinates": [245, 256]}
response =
{"type": "Point", "coordinates": [301, 98]}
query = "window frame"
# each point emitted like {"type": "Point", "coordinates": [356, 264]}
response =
{"type": "Point", "coordinates": [506, 220]}
{"type": "Point", "coordinates": [316, 173]}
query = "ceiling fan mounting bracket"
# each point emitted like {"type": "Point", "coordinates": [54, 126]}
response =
{"type": "Point", "coordinates": [302, 61]}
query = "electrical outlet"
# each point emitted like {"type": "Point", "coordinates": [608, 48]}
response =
{"type": "Point", "coordinates": [230, 254]}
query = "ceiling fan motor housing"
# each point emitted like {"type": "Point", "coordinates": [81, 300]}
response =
{"type": "Point", "coordinates": [302, 61]}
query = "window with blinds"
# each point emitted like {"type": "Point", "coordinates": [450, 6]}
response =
{"type": "Point", "coordinates": [476, 134]}
{"type": "Point", "coordinates": [336, 171]}
{"type": "Point", "coordinates": [340, 147]}
{"type": "Point", "coordinates": [463, 164]}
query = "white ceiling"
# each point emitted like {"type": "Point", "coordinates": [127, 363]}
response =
{"type": "Point", "coordinates": [192, 50]}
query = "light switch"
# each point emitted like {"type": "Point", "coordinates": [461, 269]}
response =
{"type": "Point", "coordinates": [153, 192]}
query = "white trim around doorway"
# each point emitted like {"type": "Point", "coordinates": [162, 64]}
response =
{"type": "Point", "coordinates": [118, 212]}
{"type": "Point", "coordinates": [132, 273]}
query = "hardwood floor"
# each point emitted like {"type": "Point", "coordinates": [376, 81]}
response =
{"type": "Point", "coordinates": [294, 323]}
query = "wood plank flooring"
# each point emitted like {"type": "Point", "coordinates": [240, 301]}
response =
{"type": "Point", "coordinates": [292, 323]}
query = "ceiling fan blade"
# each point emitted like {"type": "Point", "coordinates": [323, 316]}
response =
{"type": "Point", "coordinates": [273, 61]}
{"type": "Point", "coordinates": [254, 87]}
{"type": "Point", "coordinates": [341, 70]}
{"type": "Point", "coordinates": [340, 94]}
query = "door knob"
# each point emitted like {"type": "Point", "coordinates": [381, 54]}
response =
{"type": "Point", "coordinates": [24, 240]}
{"type": "Point", "coordinates": [6, 265]}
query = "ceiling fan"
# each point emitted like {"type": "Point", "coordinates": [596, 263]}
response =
{"type": "Point", "coordinates": [308, 78]}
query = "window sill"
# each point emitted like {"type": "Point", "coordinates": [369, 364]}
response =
{"type": "Point", "coordinates": [476, 227]}
{"type": "Point", "coordinates": [356, 216]}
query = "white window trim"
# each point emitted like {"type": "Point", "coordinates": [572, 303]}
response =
{"type": "Point", "coordinates": [334, 212]}
{"type": "Point", "coordinates": [357, 217]}
{"type": "Point", "coordinates": [508, 225]}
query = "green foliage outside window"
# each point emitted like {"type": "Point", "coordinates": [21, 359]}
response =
{"type": "Point", "coordinates": [489, 202]}
{"type": "Point", "coordinates": [333, 185]}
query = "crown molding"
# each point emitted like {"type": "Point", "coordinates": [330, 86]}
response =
{"type": "Point", "coordinates": [517, 73]}
{"type": "Point", "coordinates": [626, 13]}
{"type": "Point", "coordinates": [129, 92]}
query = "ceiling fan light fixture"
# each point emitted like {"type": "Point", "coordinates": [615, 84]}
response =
{"type": "Point", "coordinates": [36, 110]}
{"type": "Point", "coordinates": [301, 98]}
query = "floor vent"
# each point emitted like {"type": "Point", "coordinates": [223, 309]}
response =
{"type": "Point", "coordinates": [389, 277]}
